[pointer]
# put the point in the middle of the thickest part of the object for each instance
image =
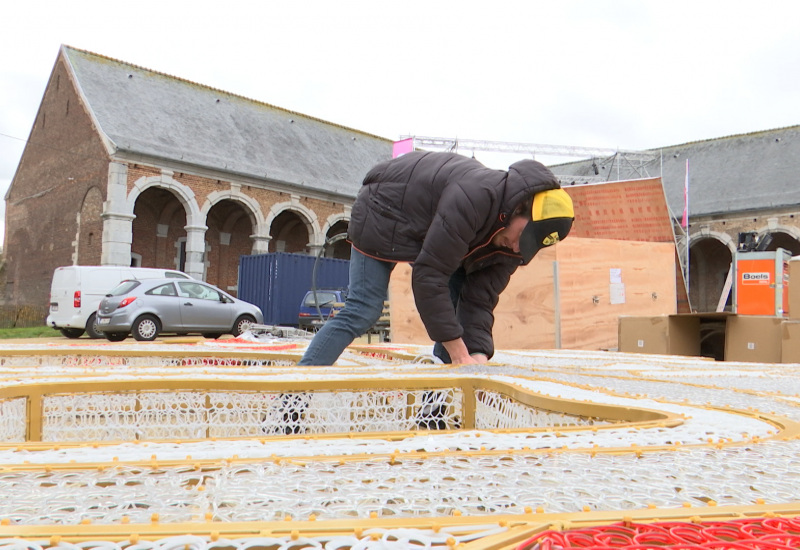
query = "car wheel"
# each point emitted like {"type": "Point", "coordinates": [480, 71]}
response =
{"type": "Point", "coordinates": [91, 327]}
{"type": "Point", "coordinates": [116, 336]}
{"type": "Point", "coordinates": [71, 332]}
{"type": "Point", "coordinates": [242, 324]}
{"type": "Point", "coordinates": [211, 335]}
{"type": "Point", "coordinates": [146, 328]}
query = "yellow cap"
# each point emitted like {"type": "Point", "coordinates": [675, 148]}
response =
{"type": "Point", "coordinates": [555, 203]}
{"type": "Point", "coordinates": [551, 220]}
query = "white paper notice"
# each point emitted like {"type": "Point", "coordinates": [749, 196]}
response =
{"type": "Point", "coordinates": [617, 291]}
{"type": "Point", "coordinates": [615, 275]}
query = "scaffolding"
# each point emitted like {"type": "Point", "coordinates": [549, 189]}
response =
{"type": "Point", "coordinates": [621, 163]}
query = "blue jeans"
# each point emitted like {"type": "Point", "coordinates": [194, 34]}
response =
{"type": "Point", "coordinates": [369, 283]}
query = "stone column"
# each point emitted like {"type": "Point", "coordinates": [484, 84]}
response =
{"type": "Point", "coordinates": [117, 220]}
{"type": "Point", "coordinates": [313, 249]}
{"type": "Point", "coordinates": [195, 250]}
{"type": "Point", "coordinates": [260, 244]}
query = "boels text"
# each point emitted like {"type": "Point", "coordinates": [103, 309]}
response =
{"type": "Point", "coordinates": [755, 278]}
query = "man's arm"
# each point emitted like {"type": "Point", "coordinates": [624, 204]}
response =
{"type": "Point", "coordinates": [445, 245]}
{"type": "Point", "coordinates": [479, 296]}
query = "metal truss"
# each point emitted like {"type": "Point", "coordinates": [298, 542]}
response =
{"type": "Point", "coordinates": [623, 164]}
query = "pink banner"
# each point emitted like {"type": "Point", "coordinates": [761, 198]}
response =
{"type": "Point", "coordinates": [402, 147]}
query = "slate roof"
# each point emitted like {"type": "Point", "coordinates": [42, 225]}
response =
{"type": "Point", "coordinates": [747, 172]}
{"type": "Point", "coordinates": [144, 112]}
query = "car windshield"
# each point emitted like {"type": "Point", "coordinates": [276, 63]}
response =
{"type": "Point", "coordinates": [324, 299]}
{"type": "Point", "coordinates": [124, 288]}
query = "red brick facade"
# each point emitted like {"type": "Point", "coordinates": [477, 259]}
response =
{"type": "Point", "coordinates": [63, 172]}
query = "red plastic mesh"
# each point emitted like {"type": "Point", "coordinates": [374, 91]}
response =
{"type": "Point", "coordinates": [739, 534]}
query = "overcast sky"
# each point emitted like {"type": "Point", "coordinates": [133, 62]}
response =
{"type": "Point", "coordinates": [594, 73]}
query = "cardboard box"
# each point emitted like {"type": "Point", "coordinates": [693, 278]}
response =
{"type": "Point", "coordinates": [753, 338]}
{"type": "Point", "coordinates": [790, 341]}
{"type": "Point", "coordinates": [695, 334]}
{"type": "Point", "coordinates": [662, 334]}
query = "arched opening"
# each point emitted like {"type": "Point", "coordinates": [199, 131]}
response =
{"type": "Point", "coordinates": [341, 248]}
{"type": "Point", "coordinates": [289, 234]}
{"type": "Point", "coordinates": [158, 230]}
{"type": "Point", "coordinates": [227, 237]}
{"type": "Point", "coordinates": [785, 241]}
{"type": "Point", "coordinates": [709, 263]}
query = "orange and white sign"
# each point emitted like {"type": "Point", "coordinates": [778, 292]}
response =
{"type": "Point", "coordinates": [756, 278]}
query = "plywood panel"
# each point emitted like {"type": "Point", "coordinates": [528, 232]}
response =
{"type": "Point", "coordinates": [525, 314]}
{"type": "Point", "coordinates": [592, 296]}
{"type": "Point", "coordinates": [633, 210]}
{"type": "Point", "coordinates": [525, 317]}
{"type": "Point", "coordinates": [405, 326]}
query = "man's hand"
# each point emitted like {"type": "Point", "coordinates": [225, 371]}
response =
{"type": "Point", "coordinates": [459, 355]}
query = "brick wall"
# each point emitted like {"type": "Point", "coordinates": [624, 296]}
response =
{"type": "Point", "coordinates": [63, 160]}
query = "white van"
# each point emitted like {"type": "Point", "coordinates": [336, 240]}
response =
{"type": "Point", "coordinates": [76, 292]}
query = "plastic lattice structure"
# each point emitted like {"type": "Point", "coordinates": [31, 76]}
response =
{"type": "Point", "coordinates": [13, 419]}
{"type": "Point", "coordinates": [132, 450]}
{"type": "Point", "coordinates": [497, 411]}
{"type": "Point", "coordinates": [740, 534]}
{"type": "Point", "coordinates": [168, 415]}
{"type": "Point", "coordinates": [162, 415]}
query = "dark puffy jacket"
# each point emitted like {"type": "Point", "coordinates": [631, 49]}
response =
{"type": "Point", "coordinates": [440, 212]}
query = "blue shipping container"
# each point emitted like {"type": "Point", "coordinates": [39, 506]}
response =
{"type": "Point", "coordinates": [276, 282]}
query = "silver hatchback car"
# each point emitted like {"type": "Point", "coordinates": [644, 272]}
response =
{"type": "Point", "coordinates": [151, 307]}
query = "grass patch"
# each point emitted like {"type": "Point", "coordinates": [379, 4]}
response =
{"type": "Point", "coordinates": [28, 332]}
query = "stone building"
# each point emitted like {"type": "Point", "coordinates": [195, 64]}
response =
{"type": "Point", "coordinates": [128, 166]}
{"type": "Point", "coordinates": [741, 184]}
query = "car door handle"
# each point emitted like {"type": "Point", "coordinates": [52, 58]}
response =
{"type": "Point", "coordinates": [188, 303]}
